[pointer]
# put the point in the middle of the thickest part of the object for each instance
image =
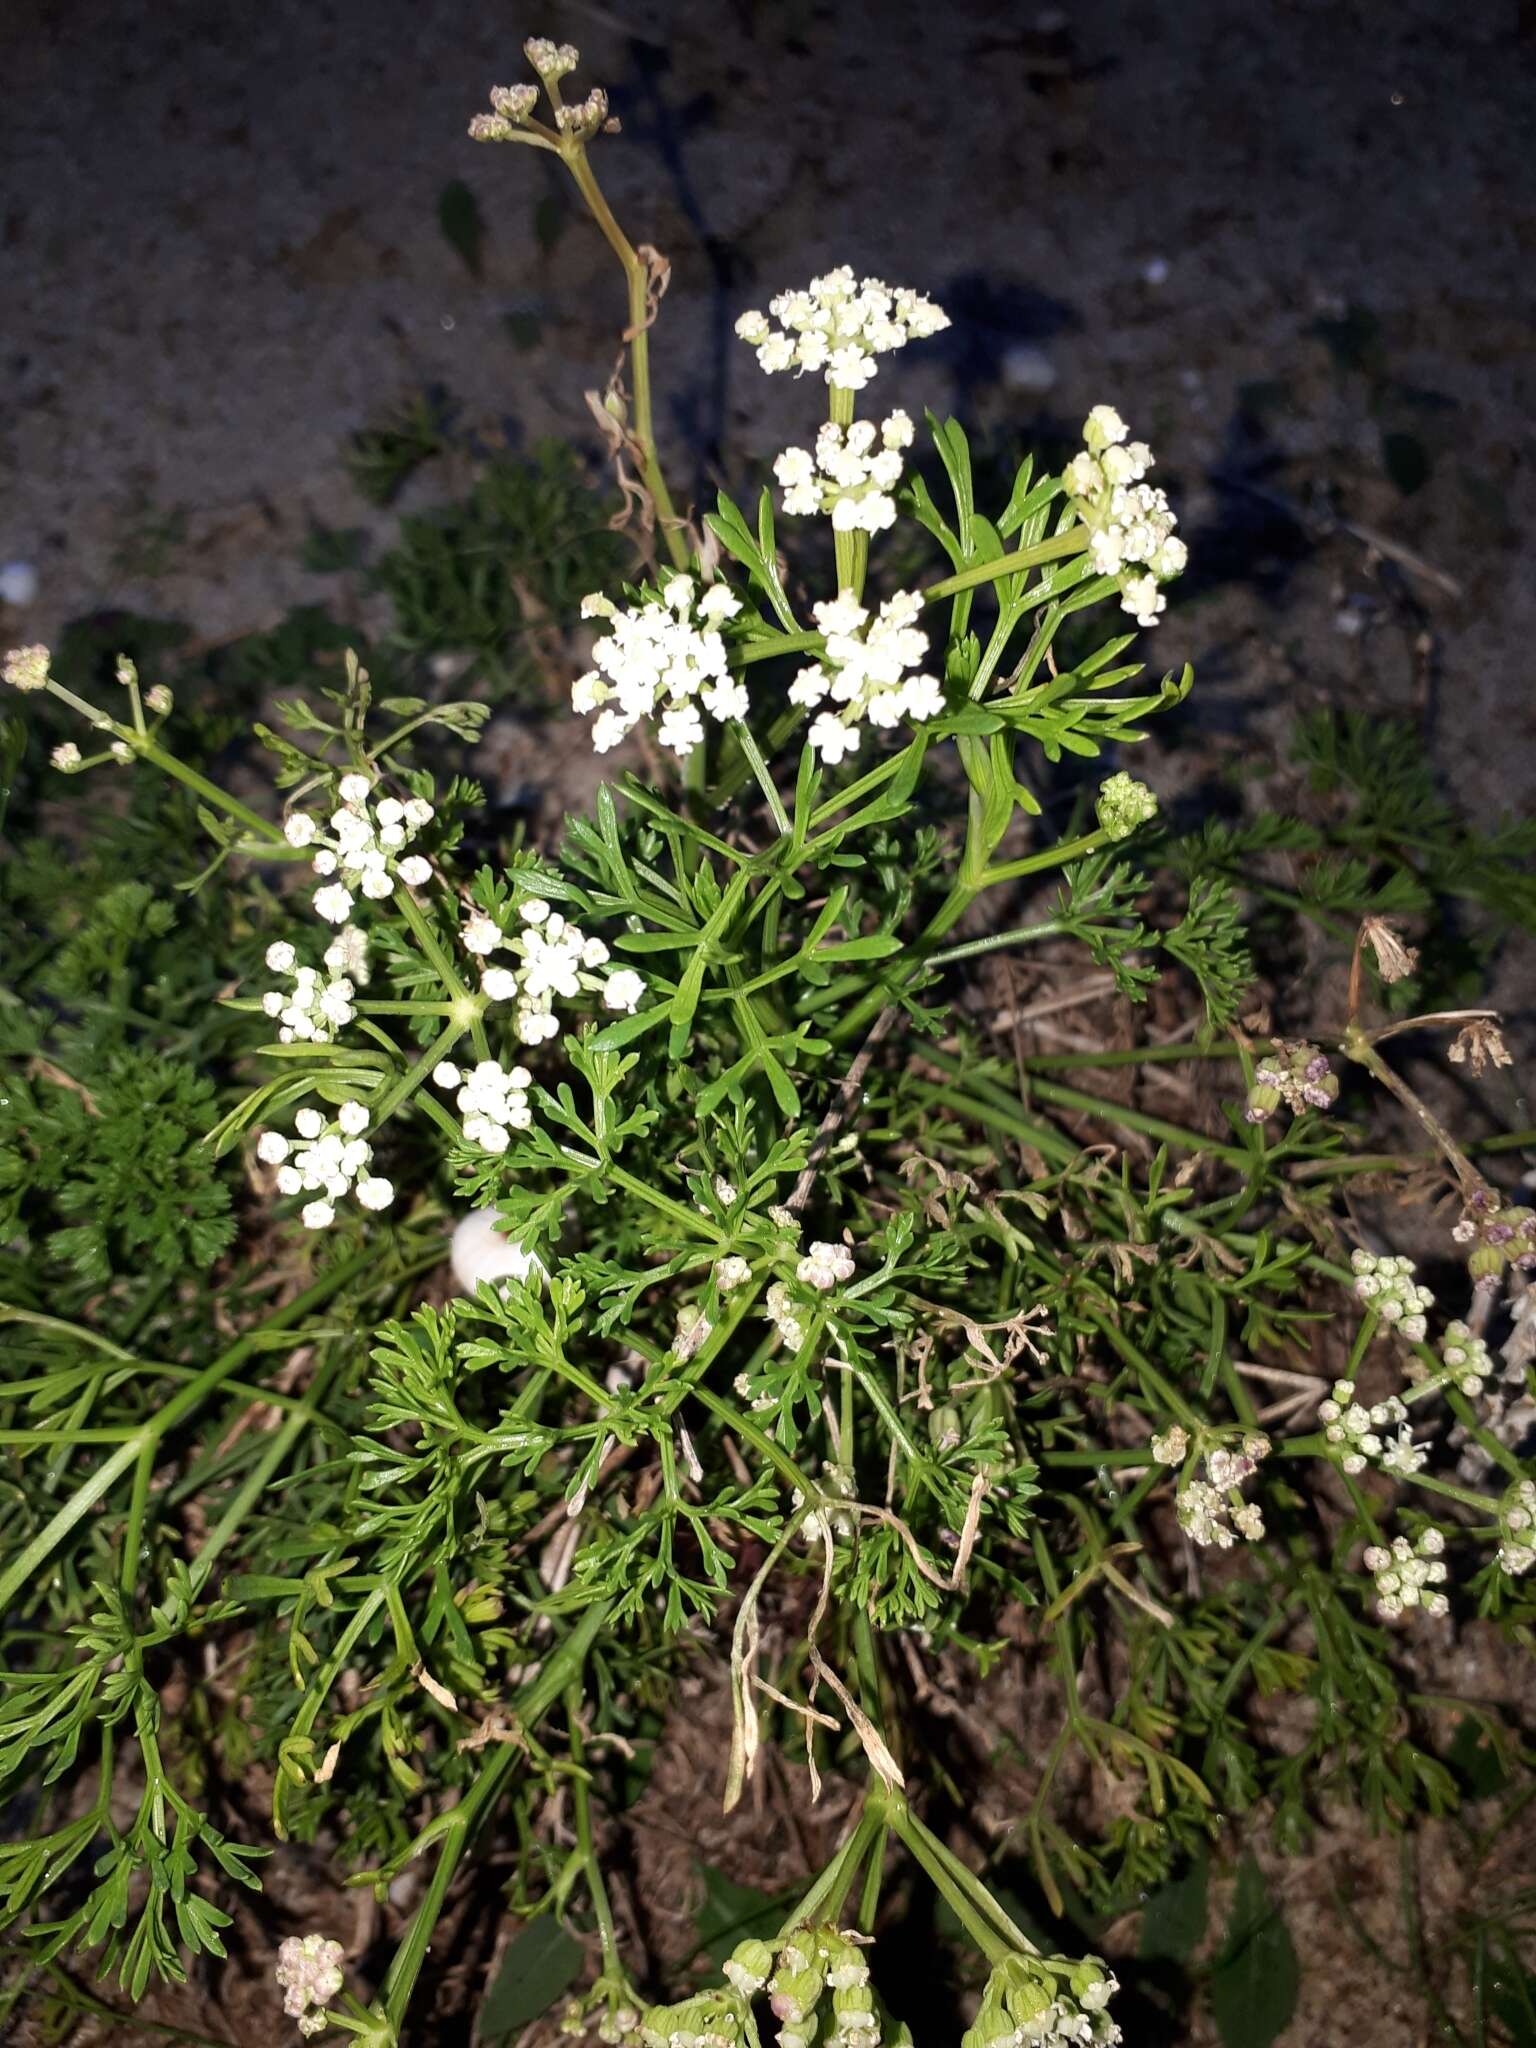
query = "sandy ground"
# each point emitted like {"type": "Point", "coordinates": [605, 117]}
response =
{"type": "Point", "coordinates": [221, 254]}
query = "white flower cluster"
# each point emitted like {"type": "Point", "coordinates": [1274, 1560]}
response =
{"type": "Point", "coordinates": [1465, 1364]}
{"type": "Point", "coordinates": [1386, 1285]}
{"type": "Point", "coordinates": [1357, 1431]}
{"type": "Point", "coordinates": [555, 958]}
{"type": "Point", "coordinates": [864, 671]}
{"type": "Point", "coordinates": [731, 1273]}
{"type": "Point", "coordinates": [780, 1308]}
{"type": "Point", "coordinates": [309, 1971]}
{"type": "Point", "coordinates": [26, 668]}
{"type": "Point", "coordinates": [825, 1266]}
{"type": "Point", "coordinates": [1035, 2002]}
{"type": "Point", "coordinates": [663, 659]}
{"type": "Point", "coordinates": [838, 325]}
{"type": "Point", "coordinates": [1404, 1572]}
{"type": "Point", "coordinates": [363, 847]}
{"type": "Point", "coordinates": [1130, 522]}
{"type": "Point", "coordinates": [491, 1099]}
{"type": "Point", "coordinates": [847, 476]}
{"type": "Point", "coordinates": [1517, 1529]}
{"type": "Point", "coordinates": [332, 1160]}
{"type": "Point", "coordinates": [1203, 1505]}
{"type": "Point", "coordinates": [315, 1009]}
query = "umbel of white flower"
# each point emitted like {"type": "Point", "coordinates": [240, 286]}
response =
{"type": "Point", "coordinates": [838, 325]}
{"type": "Point", "coordinates": [316, 1007]}
{"type": "Point", "coordinates": [326, 1161]}
{"type": "Point", "coordinates": [662, 658]}
{"type": "Point", "coordinates": [864, 671]}
{"type": "Point", "coordinates": [1357, 1432]}
{"type": "Point", "coordinates": [1203, 1505]}
{"type": "Point", "coordinates": [1405, 1573]}
{"type": "Point", "coordinates": [1386, 1285]}
{"type": "Point", "coordinates": [1130, 523]}
{"type": "Point", "coordinates": [848, 477]}
{"type": "Point", "coordinates": [363, 847]}
{"type": "Point", "coordinates": [552, 958]}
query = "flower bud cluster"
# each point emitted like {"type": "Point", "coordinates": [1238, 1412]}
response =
{"type": "Point", "coordinates": [1387, 1287]}
{"type": "Point", "coordinates": [1517, 1529]}
{"type": "Point", "coordinates": [662, 658]}
{"type": "Point", "coordinates": [839, 325]}
{"type": "Point", "coordinates": [825, 1266]}
{"type": "Point", "coordinates": [27, 668]}
{"type": "Point", "coordinates": [1293, 1073]}
{"type": "Point", "coordinates": [328, 1160]}
{"type": "Point", "coordinates": [847, 476]}
{"type": "Point", "coordinates": [363, 846]}
{"type": "Point", "coordinates": [492, 1100]}
{"type": "Point", "coordinates": [1465, 1364]}
{"type": "Point", "coordinates": [1503, 1234]}
{"type": "Point", "coordinates": [1405, 1572]}
{"type": "Point", "coordinates": [309, 1971]}
{"type": "Point", "coordinates": [780, 1308]}
{"type": "Point", "coordinates": [864, 671]}
{"type": "Point", "coordinates": [555, 958]}
{"type": "Point", "coordinates": [512, 105]}
{"type": "Point", "coordinates": [1358, 1432]}
{"type": "Point", "coordinates": [1124, 805]}
{"type": "Point", "coordinates": [1045, 2000]}
{"type": "Point", "coordinates": [1130, 522]}
{"type": "Point", "coordinates": [1204, 1505]}
{"type": "Point", "coordinates": [813, 1963]}
{"type": "Point", "coordinates": [316, 1006]}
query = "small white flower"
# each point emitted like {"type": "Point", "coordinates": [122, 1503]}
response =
{"type": "Point", "coordinates": [499, 984]}
{"type": "Point", "coordinates": [481, 935]}
{"type": "Point", "coordinates": [280, 957]}
{"type": "Point", "coordinates": [831, 739]}
{"type": "Point", "coordinates": [66, 757]}
{"type": "Point", "coordinates": [353, 1118]}
{"type": "Point", "coordinates": [299, 828]}
{"type": "Point", "coordinates": [415, 872]}
{"type": "Point", "coordinates": [623, 990]}
{"type": "Point", "coordinates": [375, 1193]}
{"type": "Point", "coordinates": [272, 1148]}
{"type": "Point", "coordinates": [317, 1215]}
{"type": "Point", "coordinates": [353, 789]}
{"type": "Point", "coordinates": [446, 1074]}
{"type": "Point", "coordinates": [309, 1123]}
{"type": "Point", "coordinates": [333, 903]}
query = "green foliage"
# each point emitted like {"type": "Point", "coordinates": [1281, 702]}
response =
{"type": "Point", "coordinates": [847, 1346]}
{"type": "Point", "coordinates": [1254, 1979]}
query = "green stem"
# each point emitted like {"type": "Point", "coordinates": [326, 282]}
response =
{"type": "Point", "coordinates": [1049, 857]}
{"type": "Point", "coordinates": [167, 763]}
{"type": "Point", "coordinates": [582, 1799]}
{"type": "Point", "coordinates": [637, 335]}
{"type": "Point", "coordinates": [765, 781]}
{"type": "Point", "coordinates": [27, 1563]}
{"type": "Point", "coordinates": [970, 948]}
{"type": "Point", "coordinates": [428, 941]}
{"type": "Point", "coordinates": [532, 1703]}
{"type": "Point", "coordinates": [1074, 542]}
